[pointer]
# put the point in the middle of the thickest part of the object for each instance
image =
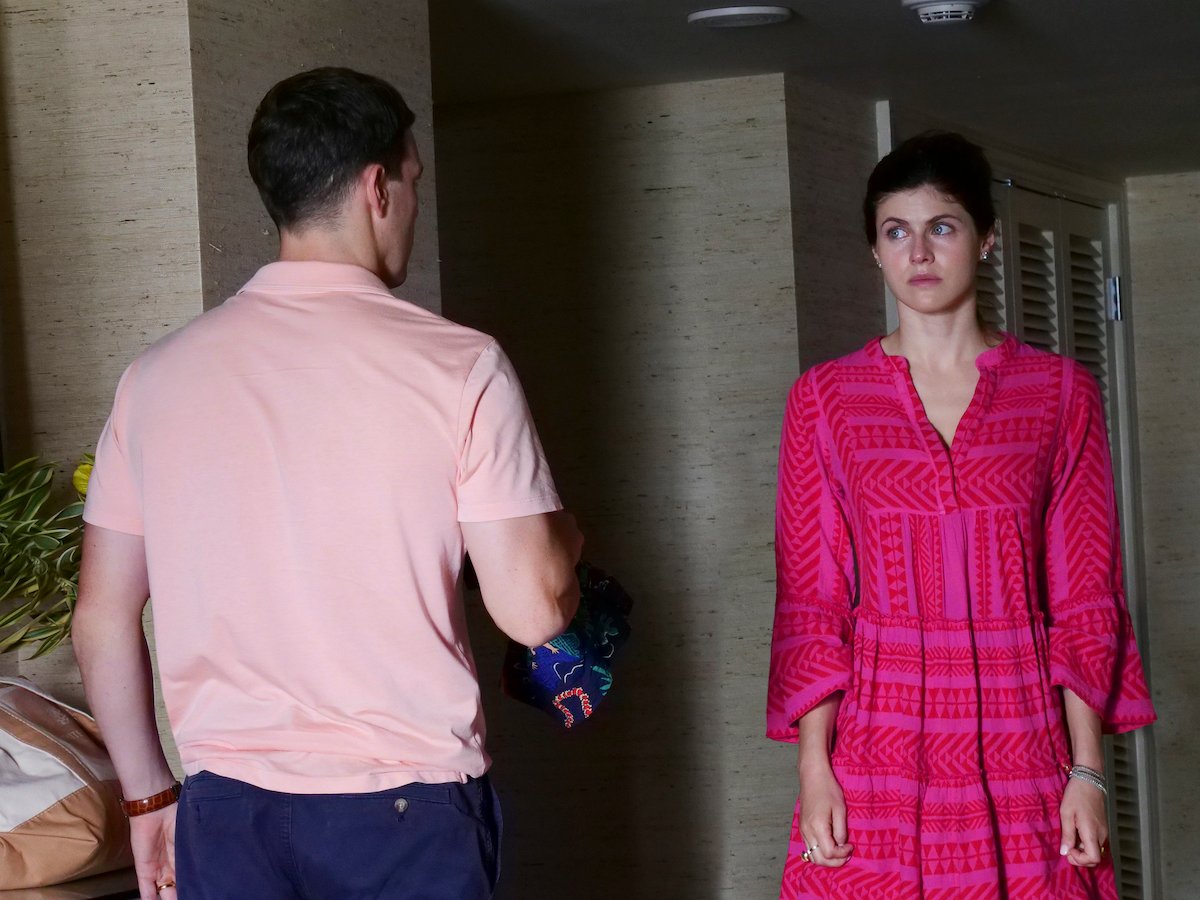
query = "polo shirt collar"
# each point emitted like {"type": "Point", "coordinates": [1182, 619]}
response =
{"type": "Point", "coordinates": [308, 277]}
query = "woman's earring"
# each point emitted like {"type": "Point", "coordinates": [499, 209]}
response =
{"type": "Point", "coordinates": [878, 264]}
{"type": "Point", "coordinates": [985, 255]}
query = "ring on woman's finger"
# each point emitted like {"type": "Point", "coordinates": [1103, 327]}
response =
{"type": "Point", "coordinates": [806, 856]}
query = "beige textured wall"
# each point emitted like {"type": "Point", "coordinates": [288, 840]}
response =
{"type": "Point", "coordinates": [1164, 231]}
{"type": "Point", "coordinates": [633, 252]}
{"type": "Point", "coordinates": [831, 151]}
{"type": "Point", "coordinates": [240, 49]}
{"type": "Point", "coordinates": [100, 239]}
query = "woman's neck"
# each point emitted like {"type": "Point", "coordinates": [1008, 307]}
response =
{"type": "Point", "coordinates": [939, 342]}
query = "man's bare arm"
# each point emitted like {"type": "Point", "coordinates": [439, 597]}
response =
{"type": "Point", "coordinates": [115, 662]}
{"type": "Point", "coordinates": [114, 659]}
{"type": "Point", "coordinates": [526, 569]}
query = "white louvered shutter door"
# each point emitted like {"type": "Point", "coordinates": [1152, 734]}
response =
{"type": "Point", "coordinates": [1085, 243]}
{"type": "Point", "coordinates": [1060, 258]}
{"type": "Point", "coordinates": [1086, 264]}
{"type": "Point", "coordinates": [1031, 256]}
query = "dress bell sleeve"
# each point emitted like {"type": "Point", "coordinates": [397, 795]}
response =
{"type": "Point", "coordinates": [814, 565]}
{"type": "Point", "coordinates": [1092, 648]}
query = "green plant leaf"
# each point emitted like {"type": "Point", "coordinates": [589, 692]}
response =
{"type": "Point", "coordinates": [71, 511]}
{"type": "Point", "coordinates": [40, 554]}
{"type": "Point", "coordinates": [48, 645]}
{"type": "Point", "coordinates": [17, 613]}
{"type": "Point", "coordinates": [37, 498]}
{"type": "Point", "coordinates": [19, 470]}
{"type": "Point", "coordinates": [14, 640]}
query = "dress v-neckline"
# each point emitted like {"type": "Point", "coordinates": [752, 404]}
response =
{"type": "Point", "coordinates": [946, 456]}
{"type": "Point", "coordinates": [922, 414]}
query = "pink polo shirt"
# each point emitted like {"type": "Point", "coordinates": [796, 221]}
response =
{"type": "Point", "coordinates": [299, 460]}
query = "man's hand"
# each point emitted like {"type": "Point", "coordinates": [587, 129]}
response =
{"type": "Point", "coordinates": [1084, 824]}
{"type": "Point", "coordinates": [153, 839]}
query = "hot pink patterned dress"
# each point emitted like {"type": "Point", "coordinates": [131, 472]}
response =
{"type": "Point", "coordinates": [950, 593]}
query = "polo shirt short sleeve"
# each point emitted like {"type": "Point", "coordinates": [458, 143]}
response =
{"type": "Point", "coordinates": [502, 470]}
{"type": "Point", "coordinates": [114, 495]}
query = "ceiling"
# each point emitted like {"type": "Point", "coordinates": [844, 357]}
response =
{"type": "Point", "coordinates": [1109, 86]}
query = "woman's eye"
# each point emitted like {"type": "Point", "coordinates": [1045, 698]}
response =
{"type": "Point", "coordinates": [941, 228]}
{"type": "Point", "coordinates": [895, 233]}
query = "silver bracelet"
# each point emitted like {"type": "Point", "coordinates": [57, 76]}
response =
{"type": "Point", "coordinates": [1091, 776]}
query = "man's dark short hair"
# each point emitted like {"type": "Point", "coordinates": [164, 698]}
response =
{"type": "Point", "coordinates": [314, 133]}
{"type": "Point", "coordinates": [942, 159]}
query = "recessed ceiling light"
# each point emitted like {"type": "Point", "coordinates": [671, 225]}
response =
{"type": "Point", "coordinates": [939, 11]}
{"type": "Point", "coordinates": [740, 16]}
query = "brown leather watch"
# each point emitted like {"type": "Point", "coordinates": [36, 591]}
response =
{"type": "Point", "coordinates": [154, 803]}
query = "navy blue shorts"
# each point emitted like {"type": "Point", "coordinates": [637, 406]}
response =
{"type": "Point", "coordinates": [234, 841]}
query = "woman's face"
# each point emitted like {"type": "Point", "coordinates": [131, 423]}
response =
{"type": "Point", "coordinates": [928, 248]}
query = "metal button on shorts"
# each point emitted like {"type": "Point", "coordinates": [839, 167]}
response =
{"type": "Point", "coordinates": [401, 805]}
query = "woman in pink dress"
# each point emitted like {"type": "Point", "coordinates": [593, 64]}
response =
{"type": "Point", "coordinates": [951, 637]}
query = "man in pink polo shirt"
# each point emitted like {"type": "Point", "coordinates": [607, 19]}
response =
{"type": "Point", "coordinates": [295, 477]}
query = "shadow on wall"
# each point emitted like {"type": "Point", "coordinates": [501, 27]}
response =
{"type": "Point", "coordinates": [532, 254]}
{"type": "Point", "coordinates": [15, 439]}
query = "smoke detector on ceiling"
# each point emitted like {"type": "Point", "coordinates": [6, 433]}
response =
{"type": "Point", "coordinates": [740, 16]}
{"type": "Point", "coordinates": [939, 11]}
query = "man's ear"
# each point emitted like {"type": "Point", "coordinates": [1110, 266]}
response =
{"type": "Point", "coordinates": [374, 183]}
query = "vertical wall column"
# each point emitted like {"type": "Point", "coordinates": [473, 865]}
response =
{"type": "Point", "coordinates": [1164, 212]}
{"type": "Point", "coordinates": [100, 232]}
{"type": "Point", "coordinates": [831, 151]}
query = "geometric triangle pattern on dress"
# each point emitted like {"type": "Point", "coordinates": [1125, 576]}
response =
{"type": "Point", "coordinates": [950, 592]}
